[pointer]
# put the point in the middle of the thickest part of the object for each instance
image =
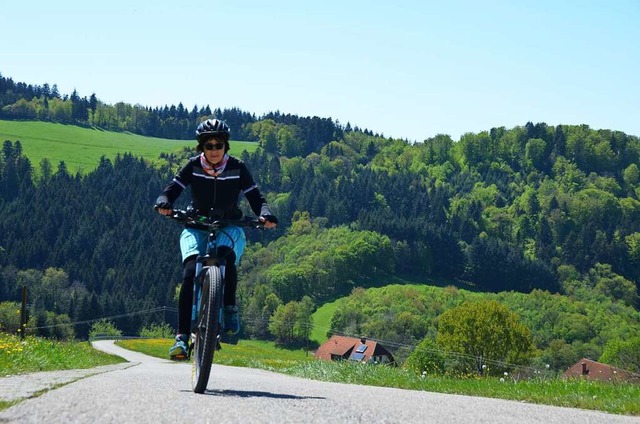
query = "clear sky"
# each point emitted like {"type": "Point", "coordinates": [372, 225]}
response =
{"type": "Point", "coordinates": [407, 69]}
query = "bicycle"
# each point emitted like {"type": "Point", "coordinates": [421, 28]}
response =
{"type": "Point", "coordinates": [208, 294]}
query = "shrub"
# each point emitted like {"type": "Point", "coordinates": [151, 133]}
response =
{"type": "Point", "coordinates": [157, 331]}
{"type": "Point", "coordinates": [426, 357]}
{"type": "Point", "coordinates": [104, 328]}
{"type": "Point", "coordinates": [9, 317]}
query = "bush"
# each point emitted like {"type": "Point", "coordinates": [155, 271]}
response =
{"type": "Point", "coordinates": [157, 331]}
{"type": "Point", "coordinates": [9, 317]}
{"type": "Point", "coordinates": [426, 358]}
{"type": "Point", "coordinates": [104, 328]}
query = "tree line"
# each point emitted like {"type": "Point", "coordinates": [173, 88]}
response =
{"type": "Point", "coordinates": [44, 102]}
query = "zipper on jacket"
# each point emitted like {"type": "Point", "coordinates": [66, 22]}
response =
{"type": "Point", "coordinates": [215, 191]}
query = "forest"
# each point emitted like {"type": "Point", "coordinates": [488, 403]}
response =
{"type": "Point", "coordinates": [546, 219]}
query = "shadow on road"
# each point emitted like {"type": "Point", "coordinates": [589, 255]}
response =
{"type": "Point", "coordinates": [248, 394]}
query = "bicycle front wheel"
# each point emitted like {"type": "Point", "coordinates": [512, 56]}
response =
{"type": "Point", "coordinates": [207, 328]}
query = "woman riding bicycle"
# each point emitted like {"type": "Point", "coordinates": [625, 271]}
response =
{"type": "Point", "coordinates": [216, 181]}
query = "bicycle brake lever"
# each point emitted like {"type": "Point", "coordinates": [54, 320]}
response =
{"type": "Point", "coordinates": [179, 214]}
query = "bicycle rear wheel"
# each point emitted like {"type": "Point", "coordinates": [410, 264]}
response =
{"type": "Point", "coordinates": [207, 326]}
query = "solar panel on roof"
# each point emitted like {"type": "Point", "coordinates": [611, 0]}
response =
{"type": "Point", "coordinates": [357, 357]}
{"type": "Point", "coordinates": [361, 348]}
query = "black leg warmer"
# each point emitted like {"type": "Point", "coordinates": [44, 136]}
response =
{"type": "Point", "coordinates": [185, 301]}
{"type": "Point", "coordinates": [231, 275]}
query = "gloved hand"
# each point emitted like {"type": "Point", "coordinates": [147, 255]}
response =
{"type": "Point", "coordinates": [164, 208]}
{"type": "Point", "coordinates": [270, 218]}
{"type": "Point", "coordinates": [270, 221]}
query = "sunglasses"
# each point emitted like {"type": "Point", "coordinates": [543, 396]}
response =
{"type": "Point", "coordinates": [211, 146]}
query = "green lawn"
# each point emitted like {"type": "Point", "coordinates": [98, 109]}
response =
{"type": "Point", "coordinates": [81, 148]}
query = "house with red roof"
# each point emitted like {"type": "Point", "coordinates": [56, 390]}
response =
{"type": "Point", "coordinates": [354, 349]}
{"type": "Point", "coordinates": [593, 370]}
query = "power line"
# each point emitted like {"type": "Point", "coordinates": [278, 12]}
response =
{"type": "Point", "coordinates": [89, 321]}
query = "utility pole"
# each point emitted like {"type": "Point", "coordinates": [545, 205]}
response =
{"type": "Point", "coordinates": [23, 313]}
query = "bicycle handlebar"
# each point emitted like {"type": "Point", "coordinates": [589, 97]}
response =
{"type": "Point", "coordinates": [192, 219]}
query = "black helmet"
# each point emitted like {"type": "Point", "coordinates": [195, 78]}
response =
{"type": "Point", "coordinates": [212, 128]}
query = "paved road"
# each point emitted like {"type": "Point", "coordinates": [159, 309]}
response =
{"type": "Point", "coordinates": [157, 391]}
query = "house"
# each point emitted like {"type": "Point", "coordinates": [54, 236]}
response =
{"type": "Point", "coordinates": [354, 349]}
{"type": "Point", "coordinates": [593, 370]}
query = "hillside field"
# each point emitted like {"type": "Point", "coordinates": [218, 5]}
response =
{"type": "Point", "coordinates": [81, 148]}
{"type": "Point", "coordinates": [322, 321]}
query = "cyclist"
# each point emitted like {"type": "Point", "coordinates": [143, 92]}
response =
{"type": "Point", "coordinates": [216, 181]}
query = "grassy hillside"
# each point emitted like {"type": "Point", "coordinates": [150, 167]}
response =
{"type": "Point", "coordinates": [81, 148]}
{"type": "Point", "coordinates": [323, 315]}
{"type": "Point", "coordinates": [322, 321]}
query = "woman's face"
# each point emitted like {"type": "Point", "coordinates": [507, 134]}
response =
{"type": "Point", "coordinates": [213, 150]}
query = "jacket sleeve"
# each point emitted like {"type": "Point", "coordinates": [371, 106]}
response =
{"type": "Point", "coordinates": [173, 190]}
{"type": "Point", "coordinates": [252, 193]}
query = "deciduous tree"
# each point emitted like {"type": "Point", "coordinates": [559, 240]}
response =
{"type": "Point", "coordinates": [487, 331]}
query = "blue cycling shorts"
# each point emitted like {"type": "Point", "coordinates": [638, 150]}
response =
{"type": "Point", "coordinates": [194, 241]}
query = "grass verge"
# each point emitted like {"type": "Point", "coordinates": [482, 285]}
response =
{"type": "Point", "coordinates": [619, 398]}
{"type": "Point", "coordinates": [35, 354]}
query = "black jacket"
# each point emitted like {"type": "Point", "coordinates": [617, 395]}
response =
{"type": "Point", "coordinates": [219, 194]}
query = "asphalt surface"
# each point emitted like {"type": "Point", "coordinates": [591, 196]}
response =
{"type": "Point", "coordinates": [151, 390]}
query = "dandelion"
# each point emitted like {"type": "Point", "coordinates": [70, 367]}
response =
{"type": "Point", "coordinates": [424, 374]}
{"type": "Point", "coordinates": [501, 379]}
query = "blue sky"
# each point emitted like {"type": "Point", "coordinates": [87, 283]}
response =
{"type": "Point", "coordinates": [407, 69]}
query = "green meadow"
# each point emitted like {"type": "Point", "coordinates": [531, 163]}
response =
{"type": "Point", "coordinates": [81, 148]}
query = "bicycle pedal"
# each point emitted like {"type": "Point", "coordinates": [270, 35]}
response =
{"type": "Point", "coordinates": [180, 357]}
